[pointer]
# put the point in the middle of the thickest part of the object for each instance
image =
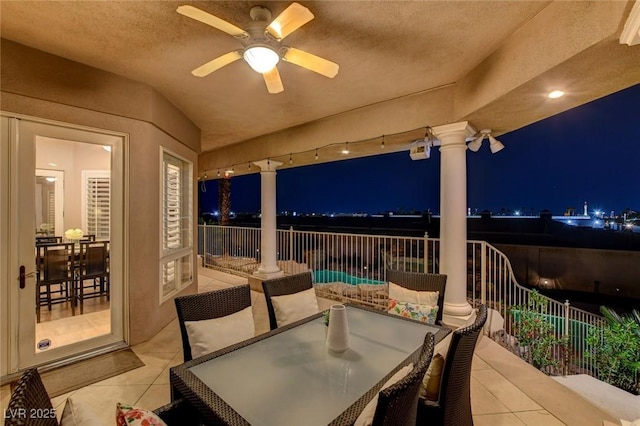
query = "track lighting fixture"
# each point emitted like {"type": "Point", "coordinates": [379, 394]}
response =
{"type": "Point", "coordinates": [420, 148]}
{"type": "Point", "coordinates": [494, 144]}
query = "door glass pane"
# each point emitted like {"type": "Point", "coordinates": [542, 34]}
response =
{"type": "Point", "coordinates": [73, 192]}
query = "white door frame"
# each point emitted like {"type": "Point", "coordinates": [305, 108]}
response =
{"type": "Point", "coordinates": [20, 237]}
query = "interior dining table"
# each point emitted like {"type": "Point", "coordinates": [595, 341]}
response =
{"type": "Point", "coordinates": [289, 377]}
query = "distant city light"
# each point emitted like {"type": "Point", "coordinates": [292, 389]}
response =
{"type": "Point", "coordinates": [517, 213]}
{"type": "Point", "coordinates": [555, 94]}
{"type": "Point", "coordinates": [569, 221]}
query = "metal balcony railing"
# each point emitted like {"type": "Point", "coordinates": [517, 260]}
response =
{"type": "Point", "coordinates": [351, 267]}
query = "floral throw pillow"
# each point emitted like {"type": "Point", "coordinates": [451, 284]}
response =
{"type": "Point", "coordinates": [128, 415]}
{"type": "Point", "coordinates": [414, 311]}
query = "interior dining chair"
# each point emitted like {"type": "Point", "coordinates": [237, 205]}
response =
{"type": "Point", "coordinates": [289, 284]}
{"type": "Point", "coordinates": [213, 304]}
{"type": "Point", "coordinates": [48, 240]}
{"type": "Point", "coordinates": [30, 405]}
{"type": "Point", "coordinates": [419, 281]}
{"type": "Point", "coordinates": [398, 404]}
{"type": "Point", "coordinates": [55, 268]}
{"type": "Point", "coordinates": [93, 271]}
{"type": "Point", "coordinates": [453, 406]}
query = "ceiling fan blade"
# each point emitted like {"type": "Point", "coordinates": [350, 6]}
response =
{"type": "Point", "coordinates": [292, 18]}
{"type": "Point", "coordinates": [209, 19]}
{"type": "Point", "coordinates": [216, 64]}
{"type": "Point", "coordinates": [311, 62]}
{"type": "Point", "coordinates": [273, 81]}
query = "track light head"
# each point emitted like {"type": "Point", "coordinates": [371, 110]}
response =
{"type": "Point", "coordinates": [495, 145]}
{"type": "Point", "coordinates": [475, 144]}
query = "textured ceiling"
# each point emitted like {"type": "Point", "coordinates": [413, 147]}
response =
{"type": "Point", "coordinates": [385, 50]}
{"type": "Point", "coordinates": [403, 65]}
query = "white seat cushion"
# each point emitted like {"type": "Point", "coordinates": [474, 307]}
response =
{"type": "Point", "coordinates": [75, 414]}
{"type": "Point", "coordinates": [366, 417]}
{"type": "Point", "coordinates": [430, 388]}
{"type": "Point", "coordinates": [412, 296]}
{"type": "Point", "coordinates": [290, 308]}
{"type": "Point", "coordinates": [208, 336]}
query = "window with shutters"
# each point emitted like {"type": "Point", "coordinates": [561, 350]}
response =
{"type": "Point", "coordinates": [96, 203]}
{"type": "Point", "coordinates": [176, 263]}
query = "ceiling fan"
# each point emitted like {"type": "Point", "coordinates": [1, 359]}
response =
{"type": "Point", "coordinates": [262, 43]}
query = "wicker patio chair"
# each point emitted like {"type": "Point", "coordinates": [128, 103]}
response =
{"type": "Point", "coordinates": [30, 405]}
{"type": "Point", "coordinates": [288, 284]}
{"type": "Point", "coordinates": [29, 397]}
{"type": "Point", "coordinates": [421, 282]}
{"type": "Point", "coordinates": [398, 404]}
{"type": "Point", "coordinates": [213, 304]}
{"type": "Point", "coordinates": [453, 407]}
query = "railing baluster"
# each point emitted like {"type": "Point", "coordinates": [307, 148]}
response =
{"type": "Point", "coordinates": [365, 258]}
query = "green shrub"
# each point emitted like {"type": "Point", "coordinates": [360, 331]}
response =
{"type": "Point", "coordinates": [536, 335]}
{"type": "Point", "coordinates": [615, 349]}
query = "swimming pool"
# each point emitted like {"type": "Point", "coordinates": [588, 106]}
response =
{"type": "Point", "coordinates": [328, 276]}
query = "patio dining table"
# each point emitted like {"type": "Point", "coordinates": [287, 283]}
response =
{"type": "Point", "coordinates": [288, 377]}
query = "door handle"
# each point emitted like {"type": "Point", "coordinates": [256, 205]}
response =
{"type": "Point", "coordinates": [24, 276]}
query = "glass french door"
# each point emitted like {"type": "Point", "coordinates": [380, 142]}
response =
{"type": "Point", "coordinates": [62, 178]}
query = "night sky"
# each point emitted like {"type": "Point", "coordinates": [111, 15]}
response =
{"type": "Point", "coordinates": [590, 153]}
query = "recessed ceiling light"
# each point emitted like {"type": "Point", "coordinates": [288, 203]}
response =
{"type": "Point", "coordinates": [52, 164]}
{"type": "Point", "coordinates": [555, 94]}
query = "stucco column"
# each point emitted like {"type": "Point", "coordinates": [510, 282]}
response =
{"type": "Point", "coordinates": [453, 218]}
{"type": "Point", "coordinates": [268, 245]}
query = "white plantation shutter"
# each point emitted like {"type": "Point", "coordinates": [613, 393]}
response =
{"type": "Point", "coordinates": [168, 277]}
{"type": "Point", "coordinates": [51, 212]}
{"type": "Point", "coordinates": [176, 259]}
{"type": "Point", "coordinates": [96, 195]}
{"type": "Point", "coordinates": [171, 203]}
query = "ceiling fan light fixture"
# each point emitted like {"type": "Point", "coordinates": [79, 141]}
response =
{"type": "Point", "coordinates": [261, 58]}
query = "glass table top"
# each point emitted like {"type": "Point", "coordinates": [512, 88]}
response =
{"type": "Point", "coordinates": [291, 378]}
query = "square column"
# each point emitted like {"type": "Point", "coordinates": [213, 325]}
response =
{"type": "Point", "coordinates": [268, 243]}
{"type": "Point", "coordinates": [453, 218]}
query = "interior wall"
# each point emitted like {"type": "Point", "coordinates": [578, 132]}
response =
{"type": "Point", "coordinates": [72, 158]}
{"type": "Point", "coordinates": [41, 85]}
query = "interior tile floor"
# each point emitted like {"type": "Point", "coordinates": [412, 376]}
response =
{"type": "Point", "coordinates": [504, 389]}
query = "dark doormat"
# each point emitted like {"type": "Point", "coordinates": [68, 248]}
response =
{"type": "Point", "coordinates": [86, 372]}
